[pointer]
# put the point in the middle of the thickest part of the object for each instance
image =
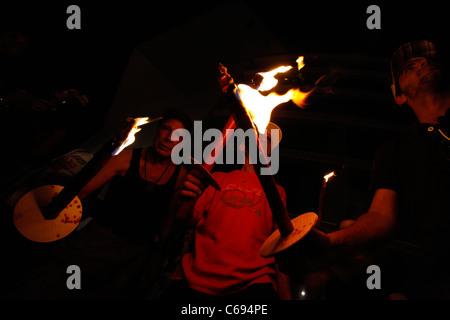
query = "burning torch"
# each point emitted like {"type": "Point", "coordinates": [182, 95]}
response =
{"type": "Point", "coordinates": [323, 190]}
{"type": "Point", "coordinates": [251, 111]}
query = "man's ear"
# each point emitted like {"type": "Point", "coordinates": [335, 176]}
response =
{"type": "Point", "coordinates": [401, 99]}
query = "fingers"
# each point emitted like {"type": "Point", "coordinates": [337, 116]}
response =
{"type": "Point", "coordinates": [191, 190]}
{"type": "Point", "coordinates": [40, 105]}
{"type": "Point", "coordinates": [225, 79]}
{"type": "Point", "coordinates": [72, 93]}
{"type": "Point", "coordinates": [83, 99]}
{"type": "Point", "coordinates": [193, 185]}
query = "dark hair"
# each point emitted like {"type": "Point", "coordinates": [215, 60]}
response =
{"type": "Point", "coordinates": [178, 115]}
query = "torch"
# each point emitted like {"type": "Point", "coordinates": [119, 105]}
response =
{"type": "Point", "coordinates": [323, 190]}
{"type": "Point", "coordinates": [51, 212]}
{"type": "Point", "coordinates": [262, 81]}
{"type": "Point", "coordinates": [289, 231]}
{"type": "Point", "coordinates": [206, 167]}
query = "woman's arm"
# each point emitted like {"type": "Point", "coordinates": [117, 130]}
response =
{"type": "Point", "coordinates": [117, 165]}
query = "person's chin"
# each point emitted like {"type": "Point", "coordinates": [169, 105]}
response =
{"type": "Point", "coordinates": [164, 151]}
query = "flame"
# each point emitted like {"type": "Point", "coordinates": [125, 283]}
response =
{"type": "Point", "coordinates": [269, 80]}
{"type": "Point", "coordinates": [300, 63]}
{"type": "Point", "coordinates": [260, 107]}
{"type": "Point", "coordinates": [131, 138]}
{"type": "Point", "coordinates": [328, 176]}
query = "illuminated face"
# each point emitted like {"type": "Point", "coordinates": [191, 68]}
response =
{"type": "Point", "coordinates": [417, 75]}
{"type": "Point", "coordinates": [163, 142]}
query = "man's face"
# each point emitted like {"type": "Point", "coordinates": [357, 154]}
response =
{"type": "Point", "coordinates": [419, 74]}
{"type": "Point", "coordinates": [163, 142]}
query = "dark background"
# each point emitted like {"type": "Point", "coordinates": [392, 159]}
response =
{"type": "Point", "coordinates": [340, 128]}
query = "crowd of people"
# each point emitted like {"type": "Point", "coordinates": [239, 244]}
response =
{"type": "Point", "coordinates": [137, 246]}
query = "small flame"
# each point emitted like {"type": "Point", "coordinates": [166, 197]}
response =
{"type": "Point", "coordinates": [328, 176]}
{"type": "Point", "coordinates": [258, 106]}
{"type": "Point", "coordinates": [269, 80]}
{"type": "Point", "coordinates": [300, 63]}
{"type": "Point", "coordinates": [131, 138]}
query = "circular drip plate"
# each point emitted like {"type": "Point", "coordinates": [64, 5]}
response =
{"type": "Point", "coordinates": [30, 222]}
{"type": "Point", "coordinates": [276, 243]}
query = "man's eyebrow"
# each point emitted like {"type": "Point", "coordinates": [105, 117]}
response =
{"type": "Point", "coordinates": [411, 62]}
{"type": "Point", "coordinates": [406, 66]}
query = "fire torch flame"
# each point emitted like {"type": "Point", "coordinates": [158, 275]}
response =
{"type": "Point", "coordinates": [300, 62]}
{"type": "Point", "coordinates": [269, 81]}
{"type": "Point", "coordinates": [328, 176]}
{"type": "Point", "coordinates": [259, 107]}
{"type": "Point", "coordinates": [131, 138]}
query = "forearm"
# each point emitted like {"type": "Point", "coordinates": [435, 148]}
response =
{"type": "Point", "coordinates": [189, 189]}
{"type": "Point", "coordinates": [319, 250]}
{"type": "Point", "coordinates": [181, 206]}
{"type": "Point", "coordinates": [370, 229]}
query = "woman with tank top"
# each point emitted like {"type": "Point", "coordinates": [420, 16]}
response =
{"type": "Point", "coordinates": [118, 251]}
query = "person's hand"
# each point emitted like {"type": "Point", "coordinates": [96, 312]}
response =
{"type": "Point", "coordinates": [225, 80]}
{"type": "Point", "coordinates": [40, 105]}
{"type": "Point", "coordinates": [188, 192]}
{"type": "Point", "coordinates": [193, 185]}
{"type": "Point", "coordinates": [69, 94]}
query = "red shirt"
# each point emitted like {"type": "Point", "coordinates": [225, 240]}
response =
{"type": "Point", "coordinates": [232, 225]}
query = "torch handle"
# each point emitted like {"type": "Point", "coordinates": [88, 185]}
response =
{"type": "Point", "coordinates": [71, 190]}
{"type": "Point", "coordinates": [321, 201]}
{"type": "Point", "coordinates": [220, 144]}
{"type": "Point", "coordinates": [267, 181]}
{"type": "Point", "coordinates": [276, 204]}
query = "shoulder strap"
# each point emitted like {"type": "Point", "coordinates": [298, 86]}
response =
{"type": "Point", "coordinates": [134, 162]}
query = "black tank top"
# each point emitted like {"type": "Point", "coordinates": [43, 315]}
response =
{"type": "Point", "coordinates": [135, 207]}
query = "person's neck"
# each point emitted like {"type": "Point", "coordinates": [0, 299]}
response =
{"type": "Point", "coordinates": [430, 106]}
